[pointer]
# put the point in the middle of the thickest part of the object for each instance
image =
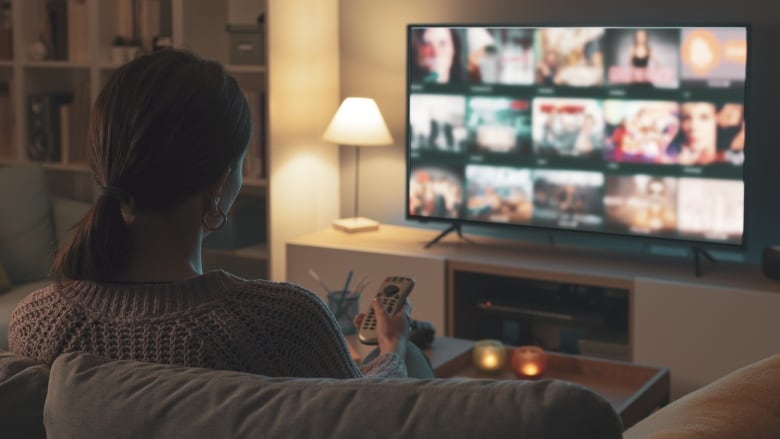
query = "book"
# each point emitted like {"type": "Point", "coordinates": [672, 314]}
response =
{"type": "Point", "coordinates": [65, 132]}
{"type": "Point", "coordinates": [78, 116]}
{"type": "Point", "coordinates": [6, 30]}
{"type": "Point", "coordinates": [150, 22]}
{"type": "Point", "coordinates": [78, 34]}
{"type": "Point", "coordinates": [57, 28]}
{"type": "Point", "coordinates": [7, 148]}
{"type": "Point", "coordinates": [254, 164]}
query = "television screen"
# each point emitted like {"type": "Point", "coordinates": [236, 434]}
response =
{"type": "Point", "coordinates": [635, 131]}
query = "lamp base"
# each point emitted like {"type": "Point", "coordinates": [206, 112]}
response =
{"type": "Point", "coordinates": [357, 224]}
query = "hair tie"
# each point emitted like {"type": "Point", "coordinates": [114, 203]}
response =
{"type": "Point", "coordinates": [116, 193]}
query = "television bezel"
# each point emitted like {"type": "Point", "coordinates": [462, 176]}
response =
{"type": "Point", "coordinates": [638, 237]}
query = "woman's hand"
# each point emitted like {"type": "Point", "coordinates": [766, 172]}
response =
{"type": "Point", "coordinates": [392, 331]}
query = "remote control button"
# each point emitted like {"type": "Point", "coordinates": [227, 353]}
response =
{"type": "Point", "coordinates": [390, 290]}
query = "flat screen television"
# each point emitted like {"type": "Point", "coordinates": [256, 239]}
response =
{"type": "Point", "coordinates": [618, 130]}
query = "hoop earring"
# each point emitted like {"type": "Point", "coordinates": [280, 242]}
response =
{"type": "Point", "coordinates": [220, 214]}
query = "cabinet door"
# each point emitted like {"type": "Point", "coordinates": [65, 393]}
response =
{"type": "Point", "coordinates": [702, 332]}
{"type": "Point", "coordinates": [332, 265]}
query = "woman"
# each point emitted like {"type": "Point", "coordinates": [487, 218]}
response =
{"type": "Point", "coordinates": [168, 135]}
{"type": "Point", "coordinates": [698, 126]}
{"type": "Point", "coordinates": [437, 56]}
{"type": "Point", "coordinates": [641, 55]}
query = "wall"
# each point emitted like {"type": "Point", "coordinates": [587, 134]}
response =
{"type": "Point", "coordinates": [303, 80]}
{"type": "Point", "coordinates": [373, 63]}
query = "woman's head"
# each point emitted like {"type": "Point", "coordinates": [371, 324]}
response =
{"type": "Point", "coordinates": [438, 54]}
{"type": "Point", "coordinates": [699, 127]}
{"type": "Point", "coordinates": [641, 37]}
{"type": "Point", "coordinates": [166, 127]}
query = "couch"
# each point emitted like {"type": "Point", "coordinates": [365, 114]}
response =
{"type": "Point", "coordinates": [86, 396]}
{"type": "Point", "coordinates": [32, 225]}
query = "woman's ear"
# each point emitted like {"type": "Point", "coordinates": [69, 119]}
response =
{"type": "Point", "coordinates": [215, 192]}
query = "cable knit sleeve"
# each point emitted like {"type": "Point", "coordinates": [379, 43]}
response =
{"type": "Point", "coordinates": [329, 346]}
{"type": "Point", "coordinates": [386, 365]}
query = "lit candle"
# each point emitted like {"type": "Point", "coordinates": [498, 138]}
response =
{"type": "Point", "coordinates": [529, 361]}
{"type": "Point", "coordinates": [489, 355]}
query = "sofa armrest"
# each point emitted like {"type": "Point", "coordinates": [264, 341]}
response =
{"type": "Point", "coordinates": [743, 404]}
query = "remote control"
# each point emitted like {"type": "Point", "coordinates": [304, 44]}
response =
{"type": "Point", "coordinates": [392, 295]}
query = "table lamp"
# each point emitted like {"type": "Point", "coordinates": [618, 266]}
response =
{"type": "Point", "coordinates": [357, 122]}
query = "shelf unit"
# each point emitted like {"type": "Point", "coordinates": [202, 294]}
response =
{"type": "Point", "coordinates": [197, 25]}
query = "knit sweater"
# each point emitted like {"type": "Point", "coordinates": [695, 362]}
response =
{"type": "Point", "coordinates": [215, 320]}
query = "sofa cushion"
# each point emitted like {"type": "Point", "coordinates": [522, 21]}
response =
{"type": "Point", "coordinates": [743, 404]}
{"type": "Point", "coordinates": [22, 393]}
{"type": "Point", "coordinates": [93, 397]}
{"type": "Point", "coordinates": [26, 230]}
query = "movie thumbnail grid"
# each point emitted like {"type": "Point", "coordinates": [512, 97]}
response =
{"type": "Point", "coordinates": [669, 58]}
{"type": "Point", "coordinates": [696, 133]}
{"type": "Point", "coordinates": [637, 204]}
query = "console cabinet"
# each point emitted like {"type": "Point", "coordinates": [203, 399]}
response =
{"type": "Point", "coordinates": [699, 327]}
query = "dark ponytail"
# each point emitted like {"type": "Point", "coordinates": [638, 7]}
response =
{"type": "Point", "coordinates": [100, 242]}
{"type": "Point", "coordinates": [165, 127]}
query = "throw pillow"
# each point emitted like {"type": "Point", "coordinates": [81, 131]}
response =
{"type": "Point", "coordinates": [26, 230]}
{"type": "Point", "coordinates": [23, 385]}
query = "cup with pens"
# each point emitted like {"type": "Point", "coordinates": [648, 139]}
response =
{"type": "Point", "coordinates": [344, 303]}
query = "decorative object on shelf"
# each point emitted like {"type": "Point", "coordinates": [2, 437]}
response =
{"type": "Point", "coordinates": [529, 362]}
{"type": "Point", "coordinates": [246, 32]}
{"type": "Point", "coordinates": [39, 50]}
{"type": "Point", "coordinates": [358, 122]}
{"type": "Point", "coordinates": [489, 355]}
{"type": "Point", "coordinates": [132, 49]}
{"type": "Point", "coordinates": [118, 50]}
{"type": "Point", "coordinates": [44, 126]}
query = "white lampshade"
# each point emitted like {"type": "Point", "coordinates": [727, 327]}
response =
{"type": "Point", "coordinates": [358, 122]}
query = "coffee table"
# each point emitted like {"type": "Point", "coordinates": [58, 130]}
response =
{"type": "Point", "coordinates": [635, 391]}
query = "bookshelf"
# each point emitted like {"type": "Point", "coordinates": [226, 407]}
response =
{"type": "Point", "coordinates": [73, 54]}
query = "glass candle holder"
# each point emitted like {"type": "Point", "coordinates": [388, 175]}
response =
{"type": "Point", "coordinates": [529, 362]}
{"type": "Point", "coordinates": [489, 355]}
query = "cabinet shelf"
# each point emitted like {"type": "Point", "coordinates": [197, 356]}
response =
{"type": "Point", "coordinates": [233, 68]}
{"type": "Point", "coordinates": [56, 64]}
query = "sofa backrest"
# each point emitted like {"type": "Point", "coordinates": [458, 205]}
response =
{"type": "Point", "coordinates": [94, 397]}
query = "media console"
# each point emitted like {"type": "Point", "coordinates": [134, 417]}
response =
{"type": "Point", "coordinates": [699, 327]}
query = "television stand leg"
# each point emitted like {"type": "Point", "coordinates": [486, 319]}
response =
{"type": "Point", "coordinates": [454, 227]}
{"type": "Point", "coordinates": [696, 261]}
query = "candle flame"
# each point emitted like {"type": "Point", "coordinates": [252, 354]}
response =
{"type": "Point", "coordinates": [490, 361]}
{"type": "Point", "coordinates": [530, 369]}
